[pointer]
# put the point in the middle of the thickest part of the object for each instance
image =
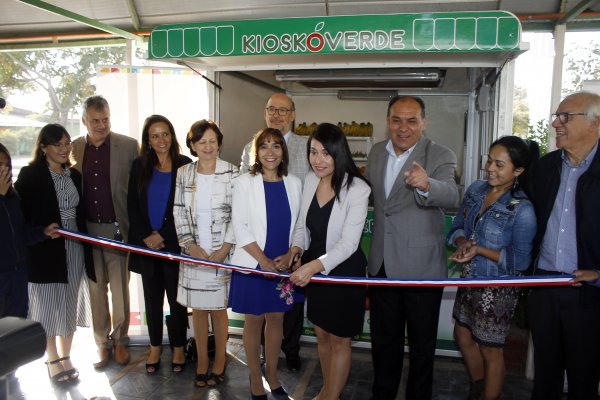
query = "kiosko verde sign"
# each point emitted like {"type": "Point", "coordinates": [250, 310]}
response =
{"type": "Point", "coordinates": [434, 32]}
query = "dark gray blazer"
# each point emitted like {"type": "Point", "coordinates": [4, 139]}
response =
{"type": "Point", "coordinates": [408, 231]}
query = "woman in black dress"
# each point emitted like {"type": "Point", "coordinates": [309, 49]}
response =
{"type": "Point", "coordinates": [332, 216]}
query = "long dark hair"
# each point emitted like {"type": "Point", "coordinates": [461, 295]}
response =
{"type": "Point", "coordinates": [523, 153]}
{"type": "Point", "coordinates": [49, 135]}
{"type": "Point", "coordinates": [4, 151]}
{"type": "Point", "coordinates": [334, 141]}
{"type": "Point", "coordinates": [148, 157]}
{"type": "Point", "coordinates": [264, 136]}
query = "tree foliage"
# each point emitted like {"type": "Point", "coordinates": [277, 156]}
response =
{"type": "Point", "coordinates": [583, 63]}
{"type": "Point", "coordinates": [65, 74]}
{"type": "Point", "coordinates": [539, 132]}
{"type": "Point", "coordinates": [520, 112]}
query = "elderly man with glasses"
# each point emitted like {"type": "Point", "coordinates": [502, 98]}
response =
{"type": "Point", "coordinates": [565, 191]}
{"type": "Point", "coordinates": [280, 113]}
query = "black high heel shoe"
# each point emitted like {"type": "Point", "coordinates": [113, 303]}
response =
{"type": "Point", "coordinates": [73, 373]}
{"type": "Point", "coordinates": [278, 393]}
{"type": "Point", "coordinates": [152, 368]}
{"type": "Point", "coordinates": [256, 396]}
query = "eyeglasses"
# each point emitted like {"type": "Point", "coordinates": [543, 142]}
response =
{"type": "Point", "coordinates": [281, 111]}
{"type": "Point", "coordinates": [67, 145]}
{"type": "Point", "coordinates": [564, 117]}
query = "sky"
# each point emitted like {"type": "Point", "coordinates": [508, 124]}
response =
{"type": "Point", "coordinates": [533, 69]}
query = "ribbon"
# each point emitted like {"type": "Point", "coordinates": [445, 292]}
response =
{"type": "Point", "coordinates": [542, 280]}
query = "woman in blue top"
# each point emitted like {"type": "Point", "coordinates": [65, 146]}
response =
{"type": "Point", "coordinates": [150, 208]}
{"type": "Point", "coordinates": [265, 208]}
{"type": "Point", "coordinates": [493, 233]}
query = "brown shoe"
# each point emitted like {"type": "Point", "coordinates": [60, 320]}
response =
{"type": "Point", "coordinates": [103, 358]}
{"type": "Point", "coordinates": [121, 354]}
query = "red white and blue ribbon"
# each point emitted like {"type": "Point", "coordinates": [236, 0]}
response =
{"type": "Point", "coordinates": [544, 280]}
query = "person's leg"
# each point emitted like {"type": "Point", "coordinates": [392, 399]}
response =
{"type": "Point", "coordinates": [581, 321]}
{"type": "Point", "coordinates": [200, 322]}
{"type": "Point", "coordinates": [470, 352]}
{"type": "Point", "coordinates": [324, 350]}
{"type": "Point", "coordinates": [56, 372]}
{"type": "Point", "coordinates": [273, 336]}
{"type": "Point", "coordinates": [422, 307]}
{"type": "Point", "coordinates": [493, 358]}
{"type": "Point", "coordinates": [387, 317]}
{"type": "Point", "coordinates": [251, 337]}
{"type": "Point", "coordinates": [118, 276]}
{"type": "Point", "coordinates": [220, 325]}
{"type": "Point", "coordinates": [293, 322]}
{"type": "Point", "coordinates": [339, 365]}
{"type": "Point", "coordinates": [153, 301]}
{"type": "Point", "coordinates": [64, 352]}
{"type": "Point", "coordinates": [179, 317]}
{"type": "Point", "coordinates": [101, 320]}
{"type": "Point", "coordinates": [543, 313]}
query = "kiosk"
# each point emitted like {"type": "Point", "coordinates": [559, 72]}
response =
{"type": "Point", "coordinates": [344, 69]}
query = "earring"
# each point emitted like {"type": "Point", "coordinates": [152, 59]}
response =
{"type": "Point", "coordinates": [516, 182]}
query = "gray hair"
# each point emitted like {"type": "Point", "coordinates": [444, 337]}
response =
{"type": "Point", "coordinates": [97, 103]}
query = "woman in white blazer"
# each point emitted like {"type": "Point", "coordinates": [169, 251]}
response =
{"type": "Point", "coordinates": [202, 213]}
{"type": "Point", "coordinates": [266, 203]}
{"type": "Point", "coordinates": [332, 216]}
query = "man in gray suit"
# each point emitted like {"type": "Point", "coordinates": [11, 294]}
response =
{"type": "Point", "coordinates": [280, 113]}
{"type": "Point", "coordinates": [412, 181]}
{"type": "Point", "coordinates": [104, 159]}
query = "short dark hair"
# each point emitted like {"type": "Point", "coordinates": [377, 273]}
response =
{"type": "Point", "coordinates": [334, 141]}
{"type": "Point", "coordinates": [97, 103]}
{"type": "Point", "coordinates": [197, 131]}
{"type": "Point", "coordinates": [263, 136]}
{"type": "Point", "coordinates": [399, 97]}
{"type": "Point", "coordinates": [49, 134]}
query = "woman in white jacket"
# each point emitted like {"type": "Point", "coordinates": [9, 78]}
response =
{"type": "Point", "coordinates": [332, 216]}
{"type": "Point", "coordinates": [266, 202]}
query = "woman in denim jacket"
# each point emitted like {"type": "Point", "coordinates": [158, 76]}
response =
{"type": "Point", "coordinates": [493, 233]}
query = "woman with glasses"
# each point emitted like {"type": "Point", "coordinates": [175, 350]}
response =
{"type": "Point", "coordinates": [493, 234]}
{"type": "Point", "coordinates": [202, 212]}
{"type": "Point", "coordinates": [266, 202]}
{"type": "Point", "coordinates": [151, 225]}
{"type": "Point", "coordinates": [50, 191]}
{"type": "Point", "coordinates": [332, 217]}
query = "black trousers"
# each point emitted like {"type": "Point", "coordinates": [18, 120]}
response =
{"type": "Point", "coordinates": [293, 322]}
{"type": "Point", "coordinates": [394, 311]}
{"type": "Point", "coordinates": [565, 328]}
{"type": "Point", "coordinates": [164, 280]}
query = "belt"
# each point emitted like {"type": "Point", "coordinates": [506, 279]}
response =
{"type": "Point", "coordinates": [101, 221]}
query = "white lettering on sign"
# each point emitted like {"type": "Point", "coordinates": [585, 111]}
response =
{"type": "Point", "coordinates": [316, 41]}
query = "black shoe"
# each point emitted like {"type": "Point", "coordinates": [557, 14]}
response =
{"type": "Point", "coordinates": [293, 363]}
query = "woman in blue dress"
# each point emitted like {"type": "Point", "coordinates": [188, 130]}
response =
{"type": "Point", "coordinates": [493, 233]}
{"type": "Point", "coordinates": [265, 207]}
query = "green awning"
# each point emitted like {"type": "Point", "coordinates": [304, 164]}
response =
{"type": "Point", "coordinates": [458, 32]}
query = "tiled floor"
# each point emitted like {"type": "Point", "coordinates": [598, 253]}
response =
{"type": "Point", "coordinates": [132, 382]}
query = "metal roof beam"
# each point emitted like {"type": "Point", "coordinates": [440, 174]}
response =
{"type": "Point", "coordinates": [135, 18]}
{"type": "Point", "coordinates": [575, 11]}
{"type": "Point", "coordinates": [82, 19]}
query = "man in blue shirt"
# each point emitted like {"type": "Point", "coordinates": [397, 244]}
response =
{"type": "Point", "coordinates": [565, 321]}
